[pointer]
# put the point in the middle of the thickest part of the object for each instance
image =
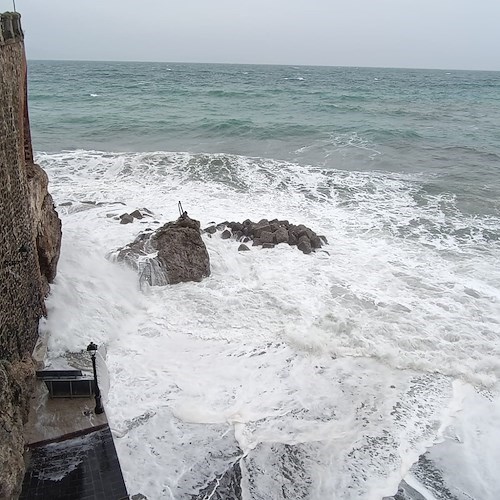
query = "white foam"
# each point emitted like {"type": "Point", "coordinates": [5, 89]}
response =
{"type": "Point", "coordinates": [342, 362]}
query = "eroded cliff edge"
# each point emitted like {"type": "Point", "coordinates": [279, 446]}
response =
{"type": "Point", "coordinates": [30, 240]}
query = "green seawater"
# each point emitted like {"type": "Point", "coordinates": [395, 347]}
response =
{"type": "Point", "coordinates": [442, 124]}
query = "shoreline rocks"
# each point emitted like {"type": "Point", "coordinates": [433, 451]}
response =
{"type": "Point", "coordinates": [269, 233]}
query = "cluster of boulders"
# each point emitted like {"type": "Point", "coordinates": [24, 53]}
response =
{"type": "Point", "coordinates": [127, 218]}
{"type": "Point", "coordinates": [174, 253]}
{"type": "Point", "coordinates": [269, 233]}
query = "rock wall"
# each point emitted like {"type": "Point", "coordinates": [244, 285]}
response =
{"type": "Point", "coordinates": [30, 237]}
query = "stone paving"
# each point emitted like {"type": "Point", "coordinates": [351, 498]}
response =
{"type": "Point", "coordinates": [83, 467]}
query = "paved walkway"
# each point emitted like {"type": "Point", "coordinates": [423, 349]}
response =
{"type": "Point", "coordinates": [82, 467]}
{"type": "Point", "coordinates": [70, 451]}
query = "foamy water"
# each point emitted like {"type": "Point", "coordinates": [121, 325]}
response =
{"type": "Point", "coordinates": [329, 373]}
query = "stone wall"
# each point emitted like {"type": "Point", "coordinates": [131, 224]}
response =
{"type": "Point", "coordinates": [30, 237]}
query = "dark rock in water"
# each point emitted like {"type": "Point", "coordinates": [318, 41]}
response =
{"type": "Point", "coordinates": [261, 228]}
{"type": "Point", "coordinates": [126, 219]}
{"type": "Point", "coordinates": [315, 242]}
{"type": "Point", "coordinates": [210, 229]}
{"type": "Point", "coordinates": [323, 239]}
{"type": "Point", "coordinates": [66, 204]}
{"type": "Point", "coordinates": [136, 214]}
{"type": "Point", "coordinates": [269, 233]}
{"type": "Point", "coordinates": [181, 253]}
{"type": "Point", "coordinates": [281, 235]}
{"type": "Point", "coordinates": [292, 238]}
{"type": "Point", "coordinates": [304, 244]}
{"type": "Point", "coordinates": [243, 248]}
{"type": "Point", "coordinates": [266, 237]}
{"type": "Point", "coordinates": [147, 211]}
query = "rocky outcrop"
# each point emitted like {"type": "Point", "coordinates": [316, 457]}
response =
{"type": "Point", "coordinates": [16, 386]}
{"type": "Point", "coordinates": [268, 233]}
{"type": "Point", "coordinates": [172, 254]}
{"type": "Point", "coordinates": [46, 224]}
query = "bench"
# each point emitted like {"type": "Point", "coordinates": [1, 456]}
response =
{"type": "Point", "coordinates": [67, 383]}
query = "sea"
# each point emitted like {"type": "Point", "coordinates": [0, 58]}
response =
{"type": "Point", "coordinates": [368, 369]}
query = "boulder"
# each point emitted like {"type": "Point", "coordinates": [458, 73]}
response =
{"type": "Point", "coordinates": [126, 219]}
{"type": "Point", "coordinates": [261, 228]}
{"type": "Point", "coordinates": [226, 234]}
{"type": "Point", "coordinates": [136, 214]}
{"type": "Point", "coordinates": [47, 225]}
{"type": "Point", "coordinates": [210, 229]}
{"type": "Point", "coordinates": [243, 248]}
{"type": "Point", "coordinates": [292, 238]}
{"type": "Point", "coordinates": [304, 245]}
{"type": "Point", "coordinates": [266, 237]}
{"type": "Point", "coordinates": [281, 235]}
{"type": "Point", "coordinates": [181, 253]}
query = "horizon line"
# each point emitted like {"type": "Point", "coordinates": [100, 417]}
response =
{"type": "Point", "coordinates": [265, 64]}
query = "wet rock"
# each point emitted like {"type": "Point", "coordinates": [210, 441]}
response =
{"type": "Point", "coordinates": [315, 242]}
{"type": "Point", "coordinates": [281, 235]}
{"type": "Point", "coordinates": [292, 238]}
{"type": "Point", "coordinates": [304, 244]}
{"type": "Point", "coordinates": [261, 228]}
{"type": "Point", "coordinates": [323, 239]}
{"type": "Point", "coordinates": [47, 225]}
{"type": "Point", "coordinates": [266, 237]}
{"type": "Point", "coordinates": [181, 253]}
{"type": "Point", "coordinates": [243, 248]}
{"type": "Point", "coordinates": [226, 234]}
{"type": "Point", "coordinates": [126, 219]}
{"type": "Point", "coordinates": [136, 214]}
{"type": "Point", "coordinates": [267, 245]}
{"type": "Point", "coordinates": [210, 229]}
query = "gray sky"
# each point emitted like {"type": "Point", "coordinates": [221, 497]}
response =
{"type": "Point", "coordinates": [455, 34]}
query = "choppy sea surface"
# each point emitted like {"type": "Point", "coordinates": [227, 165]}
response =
{"type": "Point", "coordinates": [346, 374]}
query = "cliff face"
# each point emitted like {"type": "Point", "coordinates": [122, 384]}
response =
{"type": "Point", "coordinates": [30, 239]}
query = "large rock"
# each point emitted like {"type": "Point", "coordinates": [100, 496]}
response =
{"type": "Point", "coordinates": [17, 380]}
{"type": "Point", "coordinates": [181, 254]}
{"type": "Point", "coordinates": [47, 225]}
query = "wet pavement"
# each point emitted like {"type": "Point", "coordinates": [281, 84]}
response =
{"type": "Point", "coordinates": [81, 467]}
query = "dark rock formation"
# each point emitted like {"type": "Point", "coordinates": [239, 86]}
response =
{"type": "Point", "coordinates": [30, 238]}
{"type": "Point", "coordinates": [268, 233]}
{"type": "Point", "coordinates": [47, 225]}
{"type": "Point", "coordinates": [180, 252]}
{"type": "Point", "coordinates": [126, 219]}
{"type": "Point", "coordinates": [17, 381]}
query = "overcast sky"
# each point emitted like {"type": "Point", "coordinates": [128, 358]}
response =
{"type": "Point", "coordinates": [448, 34]}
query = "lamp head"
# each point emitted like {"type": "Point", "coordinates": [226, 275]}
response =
{"type": "Point", "coordinates": [92, 348]}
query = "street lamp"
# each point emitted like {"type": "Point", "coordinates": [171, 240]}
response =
{"type": "Point", "coordinates": [92, 349]}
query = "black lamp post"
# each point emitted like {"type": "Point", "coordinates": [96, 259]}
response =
{"type": "Point", "coordinates": [92, 349]}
